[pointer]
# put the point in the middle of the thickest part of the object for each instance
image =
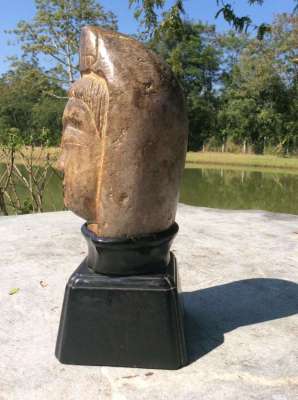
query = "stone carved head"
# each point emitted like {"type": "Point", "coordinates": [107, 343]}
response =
{"type": "Point", "coordinates": [124, 138]}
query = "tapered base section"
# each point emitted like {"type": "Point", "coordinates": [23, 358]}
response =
{"type": "Point", "coordinates": [127, 321]}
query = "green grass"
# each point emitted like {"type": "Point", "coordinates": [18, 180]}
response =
{"type": "Point", "coordinates": [243, 160]}
{"type": "Point", "coordinates": [208, 159]}
{"type": "Point", "coordinates": [38, 155]}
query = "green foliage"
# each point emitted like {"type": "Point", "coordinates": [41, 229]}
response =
{"type": "Point", "coordinates": [240, 23]}
{"type": "Point", "coordinates": [259, 101]}
{"type": "Point", "coordinates": [29, 114]}
{"type": "Point", "coordinates": [195, 58]}
{"type": "Point", "coordinates": [147, 12]}
{"type": "Point", "coordinates": [147, 8]}
{"type": "Point", "coordinates": [238, 89]}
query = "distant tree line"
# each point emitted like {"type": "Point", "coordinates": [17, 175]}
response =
{"type": "Point", "coordinates": [242, 92]}
{"type": "Point", "coordinates": [241, 88]}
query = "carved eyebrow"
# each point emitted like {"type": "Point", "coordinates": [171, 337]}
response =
{"type": "Point", "coordinates": [72, 119]}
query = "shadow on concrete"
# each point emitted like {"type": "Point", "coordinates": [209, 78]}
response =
{"type": "Point", "coordinates": [212, 312]}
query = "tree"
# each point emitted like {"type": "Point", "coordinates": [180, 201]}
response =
{"type": "Point", "coordinates": [26, 105]}
{"type": "Point", "coordinates": [147, 12]}
{"type": "Point", "coordinates": [263, 117]}
{"type": "Point", "coordinates": [232, 44]}
{"type": "Point", "coordinates": [55, 30]}
{"type": "Point", "coordinates": [259, 101]}
{"type": "Point", "coordinates": [195, 59]}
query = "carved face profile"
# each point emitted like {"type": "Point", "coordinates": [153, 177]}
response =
{"type": "Point", "coordinates": [124, 138]}
{"type": "Point", "coordinates": [83, 122]}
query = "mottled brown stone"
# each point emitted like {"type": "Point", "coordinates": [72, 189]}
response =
{"type": "Point", "coordinates": [124, 137]}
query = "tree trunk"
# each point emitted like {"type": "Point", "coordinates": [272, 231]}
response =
{"type": "Point", "coordinates": [244, 148]}
{"type": "Point", "coordinates": [69, 66]}
{"type": "Point", "coordinates": [223, 147]}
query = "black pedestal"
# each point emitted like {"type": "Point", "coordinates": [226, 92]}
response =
{"type": "Point", "coordinates": [129, 256]}
{"type": "Point", "coordinates": [127, 321]}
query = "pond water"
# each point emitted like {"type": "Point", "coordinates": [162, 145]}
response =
{"type": "Point", "coordinates": [238, 189]}
{"type": "Point", "coordinates": [218, 187]}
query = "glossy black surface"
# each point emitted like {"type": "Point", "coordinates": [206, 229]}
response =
{"type": "Point", "coordinates": [129, 256]}
{"type": "Point", "coordinates": [128, 321]}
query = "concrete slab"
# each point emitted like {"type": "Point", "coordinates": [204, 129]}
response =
{"type": "Point", "coordinates": [239, 273]}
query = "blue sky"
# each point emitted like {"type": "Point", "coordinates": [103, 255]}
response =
{"type": "Point", "coordinates": [14, 10]}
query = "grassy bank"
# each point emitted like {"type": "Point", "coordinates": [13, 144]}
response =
{"type": "Point", "coordinates": [244, 160]}
{"type": "Point", "coordinates": [37, 155]}
{"type": "Point", "coordinates": [193, 158]}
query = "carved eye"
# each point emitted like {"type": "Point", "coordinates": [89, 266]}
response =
{"type": "Point", "coordinates": [72, 121]}
{"type": "Point", "coordinates": [76, 123]}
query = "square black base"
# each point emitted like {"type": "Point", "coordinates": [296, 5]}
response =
{"type": "Point", "coordinates": [131, 321]}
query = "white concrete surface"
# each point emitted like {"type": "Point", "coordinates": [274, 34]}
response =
{"type": "Point", "coordinates": [239, 273]}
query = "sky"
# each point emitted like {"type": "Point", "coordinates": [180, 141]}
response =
{"type": "Point", "coordinates": [13, 11]}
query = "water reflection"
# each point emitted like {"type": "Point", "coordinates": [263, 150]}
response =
{"type": "Point", "coordinates": [212, 187]}
{"type": "Point", "coordinates": [240, 189]}
{"type": "Point", "coordinates": [52, 195]}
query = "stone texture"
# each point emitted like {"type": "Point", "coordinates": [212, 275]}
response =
{"type": "Point", "coordinates": [239, 277]}
{"type": "Point", "coordinates": [124, 137]}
